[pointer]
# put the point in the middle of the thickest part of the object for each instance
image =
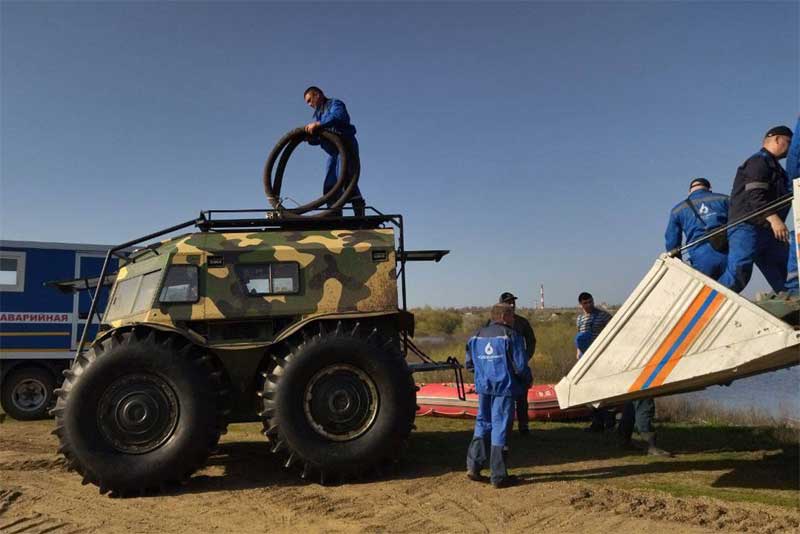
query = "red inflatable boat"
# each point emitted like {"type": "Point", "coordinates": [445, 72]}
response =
{"type": "Point", "coordinates": [441, 400]}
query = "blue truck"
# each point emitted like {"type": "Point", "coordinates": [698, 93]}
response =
{"type": "Point", "coordinates": [42, 313]}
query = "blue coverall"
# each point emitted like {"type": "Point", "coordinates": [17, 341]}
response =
{"type": "Point", "coordinates": [713, 210]}
{"type": "Point", "coordinates": [759, 181]}
{"type": "Point", "coordinates": [333, 116]}
{"type": "Point", "coordinates": [497, 356]}
{"type": "Point", "coordinates": [792, 172]}
{"type": "Point", "coordinates": [793, 158]}
{"type": "Point", "coordinates": [792, 282]}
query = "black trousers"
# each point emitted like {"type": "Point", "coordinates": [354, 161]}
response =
{"type": "Point", "coordinates": [521, 403]}
{"type": "Point", "coordinates": [602, 418]}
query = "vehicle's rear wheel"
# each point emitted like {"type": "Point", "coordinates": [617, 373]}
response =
{"type": "Point", "coordinates": [340, 404]}
{"type": "Point", "coordinates": [139, 411]}
{"type": "Point", "coordinates": [28, 393]}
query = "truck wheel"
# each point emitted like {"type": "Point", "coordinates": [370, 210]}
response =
{"type": "Point", "coordinates": [340, 404]}
{"type": "Point", "coordinates": [138, 412]}
{"type": "Point", "coordinates": [28, 393]}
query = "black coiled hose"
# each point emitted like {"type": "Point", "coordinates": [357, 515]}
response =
{"type": "Point", "coordinates": [345, 183]}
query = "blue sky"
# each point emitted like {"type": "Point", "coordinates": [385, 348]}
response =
{"type": "Point", "coordinates": [543, 143]}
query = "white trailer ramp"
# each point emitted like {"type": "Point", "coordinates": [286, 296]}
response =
{"type": "Point", "coordinates": [679, 331]}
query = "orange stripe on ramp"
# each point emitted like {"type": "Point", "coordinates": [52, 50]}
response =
{"type": "Point", "coordinates": [701, 324]}
{"type": "Point", "coordinates": [671, 338]}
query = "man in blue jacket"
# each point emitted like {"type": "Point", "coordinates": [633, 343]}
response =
{"type": "Point", "coordinates": [701, 212]}
{"type": "Point", "coordinates": [496, 354]}
{"type": "Point", "coordinates": [792, 172]}
{"type": "Point", "coordinates": [763, 240]}
{"type": "Point", "coordinates": [331, 114]}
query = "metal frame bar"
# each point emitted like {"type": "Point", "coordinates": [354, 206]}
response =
{"type": "Point", "coordinates": [785, 200]}
{"type": "Point", "coordinates": [96, 297]}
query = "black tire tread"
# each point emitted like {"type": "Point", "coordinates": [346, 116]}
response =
{"type": "Point", "coordinates": [272, 376]}
{"type": "Point", "coordinates": [129, 336]}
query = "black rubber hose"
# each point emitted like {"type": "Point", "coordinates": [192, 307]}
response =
{"type": "Point", "coordinates": [349, 182]}
{"type": "Point", "coordinates": [278, 182]}
{"type": "Point", "coordinates": [283, 149]}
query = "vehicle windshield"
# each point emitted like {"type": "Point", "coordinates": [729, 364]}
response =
{"type": "Point", "coordinates": [133, 295]}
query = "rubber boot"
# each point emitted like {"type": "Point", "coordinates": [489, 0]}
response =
{"type": "Point", "coordinates": [359, 207]}
{"type": "Point", "coordinates": [652, 450]}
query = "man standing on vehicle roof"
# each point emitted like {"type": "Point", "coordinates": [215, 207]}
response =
{"type": "Point", "coordinates": [496, 354]}
{"type": "Point", "coordinates": [695, 216]}
{"type": "Point", "coordinates": [331, 114]}
{"type": "Point", "coordinates": [764, 240]}
{"type": "Point", "coordinates": [522, 327]}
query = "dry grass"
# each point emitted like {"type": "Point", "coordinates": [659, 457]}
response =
{"type": "Point", "coordinates": [784, 428]}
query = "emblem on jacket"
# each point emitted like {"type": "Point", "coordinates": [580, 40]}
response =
{"type": "Point", "coordinates": [488, 350]}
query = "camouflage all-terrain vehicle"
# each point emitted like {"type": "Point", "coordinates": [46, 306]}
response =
{"type": "Point", "coordinates": [296, 323]}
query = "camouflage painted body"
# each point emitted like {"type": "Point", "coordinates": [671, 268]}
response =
{"type": "Point", "coordinates": [340, 271]}
{"type": "Point", "coordinates": [342, 274]}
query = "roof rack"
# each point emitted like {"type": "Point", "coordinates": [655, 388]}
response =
{"type": "Point", "coordinates": [267, 220]}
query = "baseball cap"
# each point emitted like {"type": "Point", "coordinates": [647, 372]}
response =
{"type": "Point", "coordinates": [507, 297]}
{"type": "Point", "coordinates": [779, 130]}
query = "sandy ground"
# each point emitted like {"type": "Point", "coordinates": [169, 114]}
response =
{"type": "Point", "coordinates": [243, 489]}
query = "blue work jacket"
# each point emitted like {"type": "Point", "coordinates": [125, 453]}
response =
{"type": "Point", "coordinates": [333, 116]}
{"type": "Point", "coordinates": [712, 208]}
{"type": "Point", "coordinates": [497, 356]}
{"type": "Point", "coordinates": [793, 158]}
{"type": "Point", "coordinates": [759, 181]}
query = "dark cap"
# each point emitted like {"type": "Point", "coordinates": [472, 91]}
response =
{"type": "Point", "coordinates": [700, 181]}
{"type": "Point", "coordinates": [507, 297]}
{"type": "Point", "coordinates": [779, 130]}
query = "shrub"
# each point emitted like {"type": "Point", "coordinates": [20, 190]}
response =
{"type": "Point", "coordinates": [432, 322]}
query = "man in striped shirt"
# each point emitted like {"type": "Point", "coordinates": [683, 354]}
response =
{"type": "Point", "coordinates": [592, 319]}
{"type": "Point", "coordinates": [590, 323]}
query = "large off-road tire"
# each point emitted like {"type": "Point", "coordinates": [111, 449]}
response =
{"type": "Point", "coordinates": [139, 411]}
{"type": "Point", "coordinates": [340, 404]}
{"type": "Point", "coordinates": [27, 393]}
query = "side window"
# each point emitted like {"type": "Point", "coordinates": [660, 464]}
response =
{"type": "Point", "coordinates": [270, 278]}
{"type": "Point", "coordinates": [12, 271]}
{"type": "Point", "coordinates": [147, 291]}
{"type": "Point", "coordinates": [180, 285]}
{"type": "Point", "coordinates": [285, 278]}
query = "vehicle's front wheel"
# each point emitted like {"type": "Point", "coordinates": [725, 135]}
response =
{"type": "Point", "coordinates": [138, 412]}
{"type": "Point", "coordinates": [340, 404]}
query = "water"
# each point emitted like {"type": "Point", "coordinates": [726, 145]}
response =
{"type": "Point", "coordinates": [776, 394]}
